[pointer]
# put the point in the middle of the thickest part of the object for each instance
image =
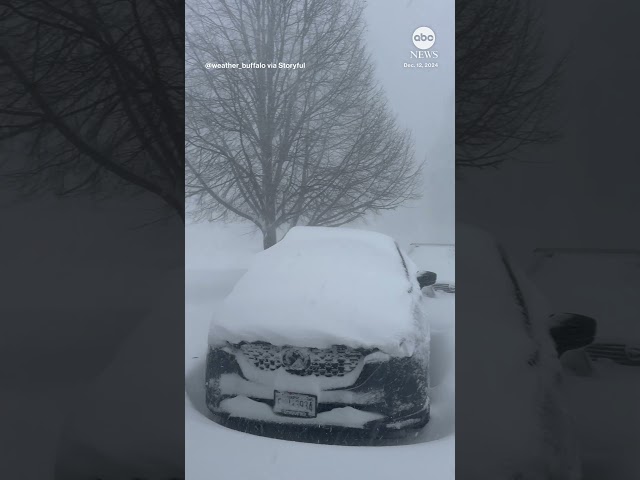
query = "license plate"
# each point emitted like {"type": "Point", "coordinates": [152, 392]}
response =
{"type": "Point", "coordinates": [294, 404]}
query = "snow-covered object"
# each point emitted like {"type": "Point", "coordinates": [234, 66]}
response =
{"type": "Point", "coordinates": [326, 286]}
{"type": "Point", "coordinates": [431, 450]}
{"type": "Point", "coordinates": [513, 422]}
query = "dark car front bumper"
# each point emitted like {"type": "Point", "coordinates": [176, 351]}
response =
{"type": "Point", "coordinates": [394, 390]}
{"type": "Point", "coordinates": [327, 434]}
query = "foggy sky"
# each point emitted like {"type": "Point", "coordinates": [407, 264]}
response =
{"type": "Point", "coordinates": [424, 101]}
{"type": "Point", "coordinates": [582, 190]}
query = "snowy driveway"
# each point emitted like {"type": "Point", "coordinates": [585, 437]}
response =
{"type": "Point", "coordinates": [606, 409]}
{"type": "Point", "coordinates": [215, 451]}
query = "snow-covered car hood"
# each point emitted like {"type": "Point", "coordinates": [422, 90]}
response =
{"type": "Point", "coordinates": [326, 286]}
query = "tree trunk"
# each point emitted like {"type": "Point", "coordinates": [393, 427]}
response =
{"type": "Point", "coordinates": [270, 237]}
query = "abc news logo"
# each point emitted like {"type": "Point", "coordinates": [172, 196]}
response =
{"type": "Point", "coordinates": [423, 38]}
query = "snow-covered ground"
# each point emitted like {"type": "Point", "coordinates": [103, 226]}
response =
{"type": "Point", "coordinates": [606, 409]}
{"type": "Point", "coordinates": [212, 449]}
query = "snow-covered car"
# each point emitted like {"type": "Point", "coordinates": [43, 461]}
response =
{"type": "Point", "coordinates": [515, 419]}
{"type": "Point", "coordinates": [326, 329]}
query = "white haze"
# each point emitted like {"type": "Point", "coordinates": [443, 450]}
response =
{"type": "Point", "coordinates": [422, 100]}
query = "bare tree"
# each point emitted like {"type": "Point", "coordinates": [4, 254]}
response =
{"type": "Point", "coordinates": [503, 91]}
{"type": "Point", "coordinates": [95, 89]}
{"type": "Point", "coordinates": [280, 146]}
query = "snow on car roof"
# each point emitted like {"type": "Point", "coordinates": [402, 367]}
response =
{"type": "Point", "coordinates": [324, 286]}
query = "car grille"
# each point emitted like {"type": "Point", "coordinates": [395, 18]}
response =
{"type": "Point", "coordinates": [329, 362]}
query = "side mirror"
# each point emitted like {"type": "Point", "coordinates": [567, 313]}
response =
{"type": "Point", "coordinates": [571, 331]}
{"type": "Point", "coordinates": [426, 279]}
